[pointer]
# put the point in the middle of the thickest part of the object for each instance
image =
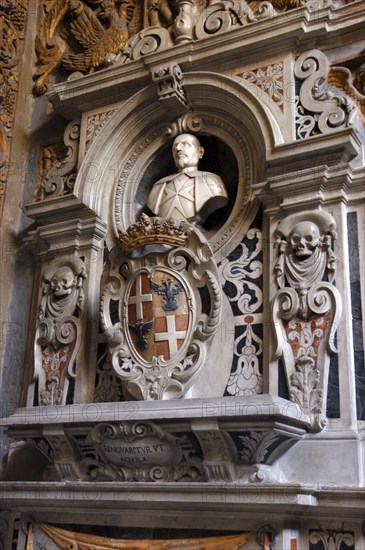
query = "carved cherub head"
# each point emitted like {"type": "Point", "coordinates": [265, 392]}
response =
{"type": "Point", "coordinates": [187, 151]}
{"type": "Point", "coordinates": [304, 239]}
{"type": "Point", "coordinates": [62, 282]}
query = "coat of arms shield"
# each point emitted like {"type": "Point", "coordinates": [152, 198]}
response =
{"type": "Point", "coordinates": [160, 307]}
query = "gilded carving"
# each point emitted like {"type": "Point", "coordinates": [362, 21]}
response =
{"type": "Point", "coordinates": [307, 307]}
{"type": "Point", "coordinates": [12, 25]}
{"type": "Point", "coordinates": [94, 35]}
{"type": "Point", "coordinates": [58, 330]}
{"type": "Point", "coordinates": [341, 78]}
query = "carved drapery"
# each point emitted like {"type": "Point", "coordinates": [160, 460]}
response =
{"type": "Point", "coordinates": [58, 333]}
{"type": "Point", "coordinates": [66, 539]}
{"type": "Point", "coordinates": [12, 21]}
{"type": "Point", "coordinates": [307, 308]}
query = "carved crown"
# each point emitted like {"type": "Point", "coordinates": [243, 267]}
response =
{"type": "Point", "coordinates": [153, 231]}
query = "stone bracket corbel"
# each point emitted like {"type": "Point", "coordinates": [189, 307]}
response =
{"type": "Point", "coordinates": [170, 90]}
{"type": "Point", "coordinates": [65, 453]}
{"type": "Point", "coordinates": [218, 451]}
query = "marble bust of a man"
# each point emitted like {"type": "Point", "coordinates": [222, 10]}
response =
{"type": "Point", "coordinates": [189, 194]}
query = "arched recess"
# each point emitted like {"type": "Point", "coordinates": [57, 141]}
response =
{"type": "Point", "coordinates": [113, 168]}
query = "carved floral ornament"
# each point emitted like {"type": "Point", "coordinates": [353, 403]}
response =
{"type": "Point", "coordinates": [58, 329]}
{"type": "Point", "coordinates": [85, 35]}
{"type": "Point", "coordinates": [307, 308]}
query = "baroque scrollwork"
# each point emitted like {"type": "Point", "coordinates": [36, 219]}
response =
{"type": "Point", "coordinates": [58, 175]}
{"type": "Point", "coordinates": [307, 307]}
{"type": "Point", "coordinates": [58, 330]}
{"type": "Point", "coordinates": [160, 339]}
{"type": "Point", "coordinates": [320, 108]}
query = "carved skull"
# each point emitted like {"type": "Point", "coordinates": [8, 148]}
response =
{"type": "Point", "coordinates": [62, 282]}
{"type": "Point", "coordinates": [304, 238]}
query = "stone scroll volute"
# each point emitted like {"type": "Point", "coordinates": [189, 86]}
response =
{"type": "Point", "coordinates": [306, 308]}
{"type": "Point", "coordinates": [58, 330]}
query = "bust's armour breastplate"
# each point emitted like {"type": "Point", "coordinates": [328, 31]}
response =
{"type": "Point", "coordinates": [178, 200]}
{"type": "Point", "coordinates": [184, 195]}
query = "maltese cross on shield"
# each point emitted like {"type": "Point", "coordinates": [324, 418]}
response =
{"type": "Point", "coordinates": [158, 318]}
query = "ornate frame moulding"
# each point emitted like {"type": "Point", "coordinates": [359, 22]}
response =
{"type": "Point", "coordinates": [161, 338]}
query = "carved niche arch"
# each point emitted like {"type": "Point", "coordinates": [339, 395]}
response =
{"type": "Point", "coordinates": [114, 165]}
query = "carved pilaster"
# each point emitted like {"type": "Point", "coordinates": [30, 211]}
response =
{"type": "Point", "coordinates": [307, 308]}
{"type": "Point", "coordinates": [58, 333]}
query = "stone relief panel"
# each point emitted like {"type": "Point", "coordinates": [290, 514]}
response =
{"type": "Point", "coordinates": [58, 331]}
{"type": "Point", "coordinates": [307, 308]}
{"type": "Point", "coordinates": [13, 17]}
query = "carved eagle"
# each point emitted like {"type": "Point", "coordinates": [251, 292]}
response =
{"type": "Point", "coordinates": [141, 331]}
{"type": "Point", "coordinates": [168, 291]}
{"type": "Point", "coordinates": [98, 41]}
